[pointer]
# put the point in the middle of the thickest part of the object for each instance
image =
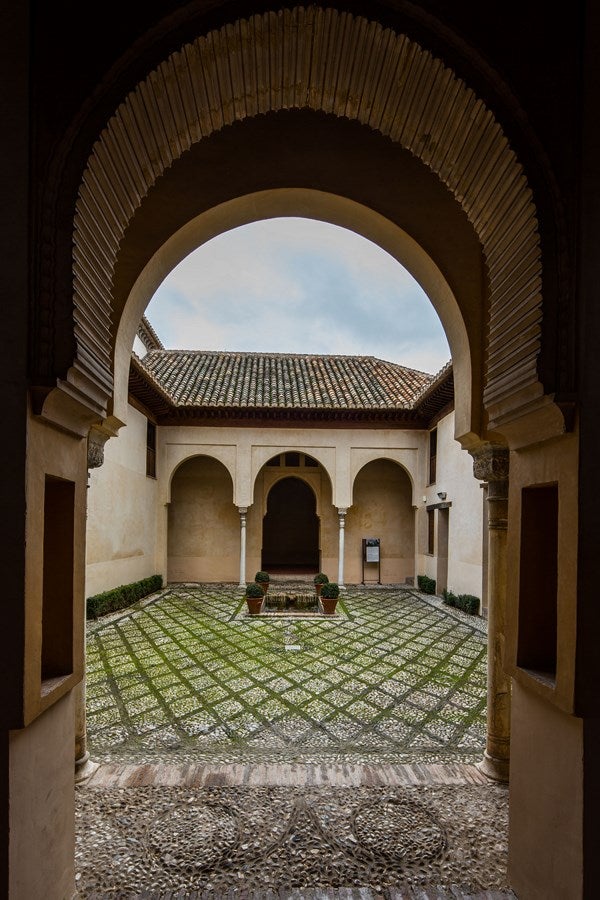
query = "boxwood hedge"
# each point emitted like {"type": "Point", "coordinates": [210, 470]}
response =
{"type": "Point", "coordinates": [121, 597]}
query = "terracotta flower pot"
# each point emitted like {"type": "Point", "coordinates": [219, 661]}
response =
{"type": "Point", "coordinates": [329, 605]}
{"type": "Point", "coordinates": [318, 588]}
{"type": "Point", "coordinates": [264, 585]}
{"type": "Point", "coordinates": [254, 605]}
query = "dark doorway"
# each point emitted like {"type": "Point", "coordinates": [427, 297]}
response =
{"type": "Point", "coordinates": [291, 528]}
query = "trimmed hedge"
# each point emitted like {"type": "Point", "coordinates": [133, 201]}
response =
{"type": "Point", "coordinates": [330, 590]}
{"type": "Point", "coordinates": [426, 584]}
{"type": "Point", "coordinates": [121, 597]}
{"type": "Point", "coordinates": [467, 602]}
{"type": "Point", "coordinates": [253, 589]}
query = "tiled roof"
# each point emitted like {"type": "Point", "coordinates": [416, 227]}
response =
{"type": "Point", "coordinates": [194, 378]}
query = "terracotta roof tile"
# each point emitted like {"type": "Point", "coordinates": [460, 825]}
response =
{"type": "Point", "coordinates": [197, 378]}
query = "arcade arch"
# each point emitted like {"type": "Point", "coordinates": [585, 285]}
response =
{"type": "Point", "coordinates": [382, 507]}
{"type": "Point", "coordinates": [202, 523]}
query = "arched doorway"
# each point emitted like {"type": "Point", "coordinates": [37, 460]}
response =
{"type": "Point", "coordinates": [514, 281]}
{"type": "Point", "coordinates": [291, 528]}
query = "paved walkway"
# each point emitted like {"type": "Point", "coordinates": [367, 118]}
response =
{"type": "Point", "coordinates": [190, 676]}
{"type": "Point", "coordinates": [289, 759]}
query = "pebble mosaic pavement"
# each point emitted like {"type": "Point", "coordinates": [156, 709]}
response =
{"type": "Point", "coordinates": [289, 758]}
{"type": "Point", "coordinates": [189, 676]}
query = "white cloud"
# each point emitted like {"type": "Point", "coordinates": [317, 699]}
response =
{"type": "Point", "coordinates": [298, 286]}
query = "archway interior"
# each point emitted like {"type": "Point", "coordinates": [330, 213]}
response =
{"type": "Point", "coordinates": [344, 294]}
{"type": "Point", "coordinates": [291, 529]}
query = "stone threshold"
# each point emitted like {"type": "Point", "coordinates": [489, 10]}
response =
{"type": "Point", "coordinates": [120, 775]}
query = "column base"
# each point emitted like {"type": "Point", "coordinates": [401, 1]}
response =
{"type": "Point", "coordinates": [84, 768]}
{"type": "Point", "coordinates": [494, 768]}
{"type": "Point", "coordinates": [242, 584]}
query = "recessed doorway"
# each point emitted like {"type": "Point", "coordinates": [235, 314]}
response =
{"type": "Point", "coordinates": [291, 529]}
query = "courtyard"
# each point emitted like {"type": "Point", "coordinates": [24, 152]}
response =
{"type": "Point", "coordinates": [189, 676]}
{"type": "Point", "coordinates": [286, 756]}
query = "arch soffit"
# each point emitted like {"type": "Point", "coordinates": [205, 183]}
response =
{"type": "Point", "coordinates": [388, 456]}
{"type": "Point", "coordinates": [307, 58]}
{"type": "Point", "coordinates": [176, 465]}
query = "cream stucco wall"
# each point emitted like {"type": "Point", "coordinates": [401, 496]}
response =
{"type": "Point", "coordinates": [454, 476]}
{"type": "Point", "coordinates": [122, 512]}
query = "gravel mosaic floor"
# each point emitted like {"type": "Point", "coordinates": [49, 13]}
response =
{"type": "Point", "coordinates": [240, 842]}
{"type": "Point", "coordinates": [189, 676]}
{"type": "Point", "coordinates": [188, 684]}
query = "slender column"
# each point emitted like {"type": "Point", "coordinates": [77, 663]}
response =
{"type": "Point", "coordinates": [342, 530]}
{"type": "Point", "coordinates": [490, 463]}
{"type": "Point", "coordinates": [84, 767]}
{"type": "Point", "coordinates": [243, 510]}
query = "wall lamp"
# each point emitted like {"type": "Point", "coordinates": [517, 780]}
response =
{"type": "Point", "coordinates": [442, 495]}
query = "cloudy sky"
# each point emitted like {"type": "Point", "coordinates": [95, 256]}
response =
{"type": "Point", "coordinates": [298, 286]}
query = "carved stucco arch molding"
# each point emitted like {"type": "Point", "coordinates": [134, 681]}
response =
{"type": "Point", "coordinates": [334, 62]}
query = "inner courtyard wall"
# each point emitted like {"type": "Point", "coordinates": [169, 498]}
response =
{"type": "Point", "coordinates": [203, 529]}
{"type": "Point", "coordinates": [382, 508]}
{"type": "Point", "coordinates": [465, 496]}
{"type": "Point", "coordinates": [122, 512]}
{"type": "Point", "coordinates": [185, 525]}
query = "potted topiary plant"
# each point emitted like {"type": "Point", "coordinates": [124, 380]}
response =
{"type": "Point", "coordinates": [329, 597]}
{"type": "Point", "coordinates": [263, 579]}
{"type": "Point", "coordinates": [254, 598]}
{"type": "Point", "coordinates": [319, 580]}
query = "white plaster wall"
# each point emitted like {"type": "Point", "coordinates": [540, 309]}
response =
{"type": "Point", "coordinates": [122, 512]}
{"type": "Point", "coordinates": [454, 475]}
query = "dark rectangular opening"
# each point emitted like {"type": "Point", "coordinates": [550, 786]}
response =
{"type": "Point", "coordinates": [538, 580]}
{"type": "Point", "coordinates": [432, 455]}
{"type": "Point", "coordinates": [151, 450]}
{"type": "Point", "coordinates": [430, 531]}
{"type": "Point", "coordinates": [57, 591]}
{"type": "Point", "coordinates": [292, 459]}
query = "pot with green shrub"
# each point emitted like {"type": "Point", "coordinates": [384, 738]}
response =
{"type": "Point", "coordinates": [254, 598]}
{"type": "Point", "coordinates": [330, 593]}
{"type": "Point", "coordinates": [263, 579]}
{"type": "Point", "coordinates": [319, 580]}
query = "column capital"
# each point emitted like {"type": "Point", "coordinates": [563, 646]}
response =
{"type": "Point", "coordinates": [95, 449]}
{"type": "Point", "coordinates": [342, 510]}
{"type": "Point", "coordinates": [490, 462]}
{"type": "Point", "coordinates": [242, 510]}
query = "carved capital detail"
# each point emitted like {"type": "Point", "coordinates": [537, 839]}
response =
{"type": "Point", "coordinates": [95, 454]}
{"type": "Point", "coordinates": [490, 462]}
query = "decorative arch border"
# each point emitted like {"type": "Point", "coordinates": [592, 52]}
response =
{"type": "Point", "coordinates": [264, 454]}
{"type": "Point", "coordinates": [327, 60]}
